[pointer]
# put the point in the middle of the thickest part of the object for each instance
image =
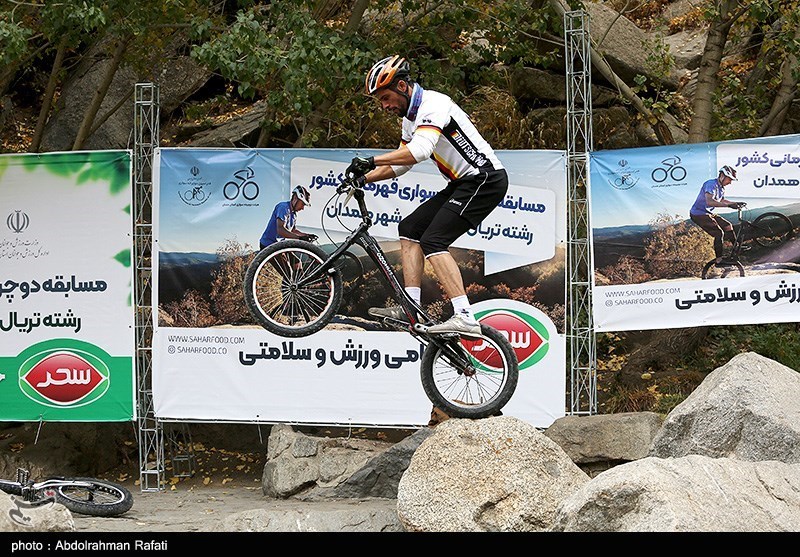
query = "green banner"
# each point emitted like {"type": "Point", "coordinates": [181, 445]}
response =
{"type": "Point", "coordinates": [67, 339]}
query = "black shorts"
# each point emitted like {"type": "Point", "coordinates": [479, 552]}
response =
{"type": "Point", "coordinates": [459, 207]}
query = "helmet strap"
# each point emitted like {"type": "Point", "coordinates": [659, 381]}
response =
{"type": "Point", "coordinates": [406, 94]}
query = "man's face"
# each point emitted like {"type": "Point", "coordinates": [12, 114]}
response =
{"type": "Point", "coordinates": [393, 101]}
{"type": "Point", "coordinates": [297, 204]}
{"type": "Point", "coordinates": [724, 180]}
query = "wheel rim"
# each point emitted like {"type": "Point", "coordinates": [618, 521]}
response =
{"type": "Point", "coordinates": [772, 231]}
{"type": "Point", "coordinates": [485, 380]}
{"type": "Point", "coordinates": [280, 297]}
{"type": "Point", "coordinates": [96, 495]}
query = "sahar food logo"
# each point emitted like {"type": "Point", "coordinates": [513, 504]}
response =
{"type": "Point", "coordinates": [63, 378]}
{"type": "Point", "coordinates": [521, 324]}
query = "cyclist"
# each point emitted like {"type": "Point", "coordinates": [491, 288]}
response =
{"type": "Point", "coordinates": [433, 126]}
{"type": "Point", "coordinates": [712, 195]}
{"type": "Point", "coordinates": [281, 224]}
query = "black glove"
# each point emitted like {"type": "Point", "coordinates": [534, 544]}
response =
{"type": "Point", "coordinates": [309, 238]}
{"type": "Point", "coordinates": [347, 183]}
{"type": "Point", "coordinates": [739, 205]}
{"type": "Point", "coordinates": [360, 166]}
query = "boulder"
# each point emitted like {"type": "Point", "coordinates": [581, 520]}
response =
{"type": "Point", "coordinates": [297, 462]}
{"type": "Point", "coordinates": [17, 515]}
{"type": "Point", "coordinates": [599, 442]}
{"type": "Point", "coordinates": [496, 474]}
{"type": "Point", "coordinates": [748, 409]}
{"type": "Point", "coordinates": [688, 494]}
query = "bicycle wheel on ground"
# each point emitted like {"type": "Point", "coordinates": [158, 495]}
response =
{"type": "Point", "coordinates": [480, 383]}
{"type": "Point", "coordinates": [352, 272]}
{"type": "Point", "coordinates": [280, 300]}
{"type": "Point", "coordinates": [713, 270]}
{"type": "Point", "coordinates": [771, 229]}
{"type": "Point", "coordinates": [93, 497]}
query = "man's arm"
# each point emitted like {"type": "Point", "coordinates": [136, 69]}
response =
{"type": "Point", "coordinates": [711, 202]}
{"type": "Point", "coordinates": [284, 232]}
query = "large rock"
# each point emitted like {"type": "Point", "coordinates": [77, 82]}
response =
{"type": "Point", "coordinates": [747, 409]}
{"type": "Point", "coordinates": [177, 80]}
{"type": "Point", "coordinates": [492, 475]}
{"type": "Point", "coordinates": [625, 46]}
{"type": "Point", "coordinates": [689, 494]}
{"type": "Point", "coordinates": [297, 462]}
{"type": "Point", "coordinates": [380, 476]}
{"type": "Point", "coordinates": [17, 515]}
{"type": "Point", "coordinates": [599, 442]}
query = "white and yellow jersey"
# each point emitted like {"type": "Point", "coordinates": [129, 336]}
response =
{"type": "Point", "coordinates": [436, 127]}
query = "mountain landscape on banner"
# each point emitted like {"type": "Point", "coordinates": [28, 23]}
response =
{"type": "Point", "coordinates": [209, 282]}
{"type": "Point", "coordinates": [615, 244]}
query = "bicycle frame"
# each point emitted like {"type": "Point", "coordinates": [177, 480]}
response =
{"type": "Point", "coordinates": [362, 237]}
{"type": "Point", "coordinates": [417, 318]}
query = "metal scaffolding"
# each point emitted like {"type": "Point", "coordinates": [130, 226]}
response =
{"type": "Point", "coordinates": [580, 326]}
{"type": "Point", "coordinates": [153, 436]}
{"type": "Point", "coordinates": [146, 129]}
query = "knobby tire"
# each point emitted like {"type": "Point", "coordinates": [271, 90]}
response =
{"type": "Point", "coordinates": [103, 498]}
{"type": "Point", "coordinates": [482, 395]}
{"type": "Point", "coordinates": [276, 300]}
{"type": "Point", "coordinates": [712, 269]}
{"type": "Point", "coordinates": [772, 229]}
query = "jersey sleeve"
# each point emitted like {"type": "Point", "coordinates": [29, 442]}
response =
{"type": "Point", "coordinates": [398, 169]}
{"type": "Point", "coordinates": [283, 212]}
{"type": "Point", "coordinates": [431, 119]}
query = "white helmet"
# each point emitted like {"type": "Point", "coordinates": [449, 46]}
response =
{"type": "Point", "coordinates": [302, 194]}
{"type": "Point", "coordinates": [728, 171]}
{"type": "Point", "coordinates": [384, 72]}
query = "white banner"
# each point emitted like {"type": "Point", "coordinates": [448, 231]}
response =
{"type": "Point", "coordinates": [211, 207]}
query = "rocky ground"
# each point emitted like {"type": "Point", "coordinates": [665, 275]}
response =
{"type": "Point", "coordinates": [225, 482]}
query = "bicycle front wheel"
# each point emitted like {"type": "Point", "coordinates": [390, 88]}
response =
{"type": "Point", "coordinates": [277, 295]}
{"type": "Point", "coordinates": [93, 497]}
{"type": "Point", "coordinates": [714, 270]}
{"type": "Point", "coordinates": [771, 229]}
{"type": "Point", "coordinates": [471, 377]}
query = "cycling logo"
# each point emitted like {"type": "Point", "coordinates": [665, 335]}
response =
{"type": "Point", "coordinates": [670, 168]}
{"type": "Point", "coordinates": [18, 221]}
{"type": "Point", "coordinates": [624, 177]}
{"type": "Point", "coordinates": [242, 188]}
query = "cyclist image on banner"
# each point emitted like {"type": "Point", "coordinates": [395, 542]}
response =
{"type": "Point", "coordinates": [282, 222]}
{"type": "Point", "coordinates": [711, 196]}
{"type": "Point", "coordinates": [433, 127]}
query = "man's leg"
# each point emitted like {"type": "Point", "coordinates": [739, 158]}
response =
{"type": "Point", "coordinates": [448, 273]}
{"type": "Point", "coordinates": [710, 225]}
{"type": "Point", "coordinates": [413, 266]}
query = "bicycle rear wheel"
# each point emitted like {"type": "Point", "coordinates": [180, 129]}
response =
{"type": "Point", "coordinates": [276, 297]}
{"type": "Point", "coordinates": [352, 272]}
{"type": "Point", "coordinates": [92, 497]}
{"type": "Point", "coordinates": [478, 386]}
{"type": "Point", "coordinates": [771, 229]}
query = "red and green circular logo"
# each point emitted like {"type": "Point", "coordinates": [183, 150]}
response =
{"type": "Point", "coordinates": [528, 335]}
{"type": "Point", "coordinates": [63, 378]}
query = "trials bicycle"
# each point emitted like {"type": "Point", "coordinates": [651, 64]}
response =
{"type": "Point", "coordinates": [293, 289]}
{"type": "Point", "coordinates": [768, 230]}
{"type": "Point", "coordinates": [87, 496]}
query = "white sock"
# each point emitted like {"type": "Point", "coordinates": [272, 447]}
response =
{"type": "Point", "coordinates": [415, 292]}
{"type": "Point", "coordinates": [461, 307]}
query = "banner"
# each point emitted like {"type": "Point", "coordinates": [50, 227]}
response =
{"type": "Point", "coordinates": [66, 315]}
{"type": "Point", "coordinates": [210, 361]}
{"type": "Point", "coordinates": [653, 266]}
